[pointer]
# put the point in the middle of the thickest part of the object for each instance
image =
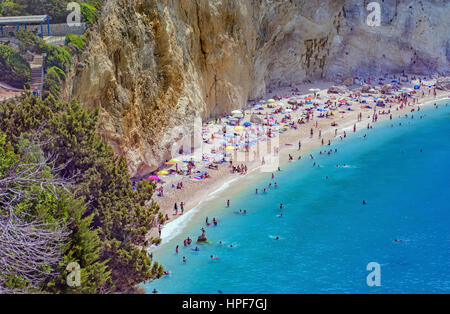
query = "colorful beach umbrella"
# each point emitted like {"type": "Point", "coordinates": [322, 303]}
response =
{"type": "Point", "coordinates": [229, 148]}
{"type": "Point", "coordinates": [162, 173]}
{"type": "Point", "coordinates": [271, 100]}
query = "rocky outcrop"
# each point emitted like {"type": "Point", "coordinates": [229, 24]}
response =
{"type": "Point", "coordinates": [337, 89]}
{"type": "Point", "coordinates": [443, 83]}
{"type": "Point", "coordinates": [152, 66]}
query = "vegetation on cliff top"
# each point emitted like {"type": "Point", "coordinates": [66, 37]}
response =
{"type": "Point", "coordinates": [106, 219]}
{"type": "Point", "coordinates": [14, 70]}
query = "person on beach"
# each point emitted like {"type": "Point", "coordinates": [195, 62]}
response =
{"type": "Point", "coordinates": [182, 208]}
{"type": "Point", "coordinates": [299, 145]}
{"type": "Point", "coordinates": [176, 249]}
{"type": "Point", "coordinates": [175, 207]}
{"type": "Point", "coordinates": [228, 203]}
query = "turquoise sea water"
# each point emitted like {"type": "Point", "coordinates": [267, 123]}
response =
{"type": "Point", "coordinates": [327, 236]}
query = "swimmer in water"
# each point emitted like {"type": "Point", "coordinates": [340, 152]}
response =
{"type": "Point", "coordinates": [256, 191]}
{"type": "Point", "coordinates": [277, 238]}
{"type": "Point", "coordinates": [281, 206]}
{"type": "Point", "coordinates": [184, 259]}
{"type": "Point", "coordinates": [155, 291]}
{"type": "Point", "coordinates": [280, 216]}
{"type": "Point", "coordinates": [364, 202]}
{"type": "Point", "coordinates": [397, 240]}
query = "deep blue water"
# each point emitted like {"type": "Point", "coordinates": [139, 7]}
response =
{"type": "Point", "coordinates": [327, 236]}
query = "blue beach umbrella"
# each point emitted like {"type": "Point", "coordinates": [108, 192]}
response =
{"type": "Point", "coordinates": [247, 124]}
{"type": "Point", "coordinates": [416, 87]}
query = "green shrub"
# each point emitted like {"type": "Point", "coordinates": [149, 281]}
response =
{"type": "Point", "coordinates": [53, 80]}
{"type": "Point", "coordinates": [56, 56]}
{"type": "Point", "coordinates": [89, 13]}
{"type": "Point", "coordinates": [78, 41]}
{"type": "Point", "coordinates": [14, 70]}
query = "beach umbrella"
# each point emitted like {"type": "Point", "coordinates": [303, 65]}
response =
{"type": "Point", "coordinates": [288, 110]}
{"type": "Point", "coordinates": [342, 101]}
{"type": "Point", "coordinates": [229, 148]}
{"type": "Point", "coordinates": [162, 173]}
{"type": "Point", "coordinates": [416, 87]}
{"type": "Point", "coordinates": [271, 100]}
{"type": "Point", "coordinates": [238, 128]}
{"type": "Point", "coordinates": [174, 160]}
{"type": "Point", "coordinates": [247, 124]}
{"type": "Point", "coordinates": [156, 178]}
{"type": "Point", "coordinates": [309, 103]}
{"type": "Point", "coordinates": [236, 112]}
{"type": "Point", "coordinates": [170, 163]}
{"type": "Point", "coordinates": [308, 98]}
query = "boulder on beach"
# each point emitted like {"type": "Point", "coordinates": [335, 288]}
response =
{"type": "Point", "coordinates": [348, 81]}
{"type": "Point", "coordinates": [338, 89]}
{"type": "Point", "coordinates": [387, 88]}
{"type": "Point", "coordinates": [365, 88]}
{"type": "Point", "coordinates": [443, 83]}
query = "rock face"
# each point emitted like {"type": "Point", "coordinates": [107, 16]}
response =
{"type": "Point", "coordinates": [152, 66]}
{"type": "Point", "coordinates": [443, 83]}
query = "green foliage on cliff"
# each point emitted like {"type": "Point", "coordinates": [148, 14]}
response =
{"type": "Point", "coordinates": [78, 41]}
{"type": "Point", "coordinates": [56, 56]}
{"type": "Point", "coordinates": [120, 215]}
{"type": "Point", "coordinates": [89, 13]}
{"type": "Point", "coordinates": [53, 80]}
{"type": "Point", "coordinates": [55, 207]}
{"type": "Point", "coordinates": [14, 70]}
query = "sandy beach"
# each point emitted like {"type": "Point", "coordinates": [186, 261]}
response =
{"type": "Point", "coordinates": [339, 122]}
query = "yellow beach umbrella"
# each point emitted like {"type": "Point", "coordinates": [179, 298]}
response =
{"type": "Point", "coordinates": [174, 160]}
{"type": "Point", "coordinates": [229, 148]}
{"type": "Point", "coordinates": [163, 172]}
{"type": "Point", "coordinates": [238, 128]}
{"type": "Point", "coordinates": [271, 100]}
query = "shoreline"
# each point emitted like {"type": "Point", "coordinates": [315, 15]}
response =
{"type": "Point", "coordinates": [195, 194]}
